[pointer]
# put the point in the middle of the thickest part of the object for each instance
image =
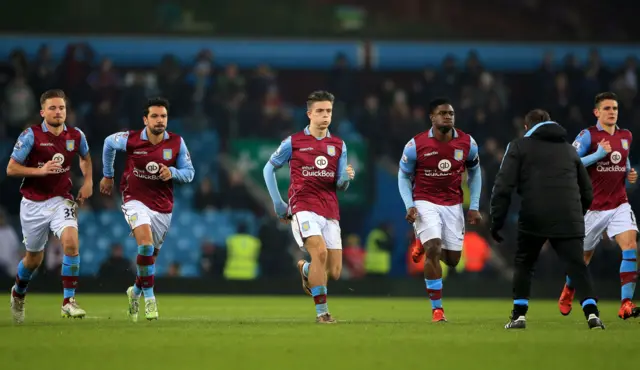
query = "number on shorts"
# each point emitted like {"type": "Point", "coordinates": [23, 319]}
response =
{"type": "Point", "coordinates": [633, 218]}
{"type": "Point", "coordinates": [69, 214]}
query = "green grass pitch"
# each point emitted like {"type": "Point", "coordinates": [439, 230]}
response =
{"type": "Point", "coordinates": [213, 332]}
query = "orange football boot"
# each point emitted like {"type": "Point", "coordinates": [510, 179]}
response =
{"type": "Point", "coordinates": [566, 298]}
{"type": "Point", "coordinates": [438, 315]}
{"type": "Point", "coordinates": [417, 251]}
{"type": "Point", "coordinates": [628, 309]}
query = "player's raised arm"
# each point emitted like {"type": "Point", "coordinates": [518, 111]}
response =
{"type": "Point", "coordinates": [406, 171]}
{"type": "Point", "coordinates": [582, 144]}
{"type": "Point", "coordinates": [474, 175]}
{"type": "Point", "coordinates": [21, 151]}
{"type": "Point", "coordinates": [345, 171]}
{"type": "Point", "coordinates": [87, 169]}
{"type": "Point", "coordinates": [506, 181]}
{"type": "Point", "coordinates": [184, 172]}
{"type": "Point", "coordinates": [277, 160]}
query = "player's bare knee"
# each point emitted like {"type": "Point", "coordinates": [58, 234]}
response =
{"type": "Point", "coordinates": [433, 249]}
{"type": "Point", "coordinates": [32, 260]}
{"type": "Point", "coordinates": [143, 235]}
{"type": "Point", "coordinates": [628, 245]}
{"type": "Point", "coordinates": [452, 258]}
{"type": "Point", "coordinates": [69, 241]}
{"type": "Point", "coordinates": [334, 272]}
{"type": "Point", "coordinates": [317, 249]}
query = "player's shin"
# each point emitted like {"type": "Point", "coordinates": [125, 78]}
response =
{"type": "Point", "coordinates": [628, 274]}
{"type": "Point", "coordinates": [23, 277]}
{"type": "Point", "coordinates": [70, 273]}
{"type": "Point", "coordinates": [318, 278]}
{"type": "Point", "coordinates": [137, 287]}
{"type": "Point", "coordinates": [433, 279]}
{"type": "Point", "coordinates": [146, 269]}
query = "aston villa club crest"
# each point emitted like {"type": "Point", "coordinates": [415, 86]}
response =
{"type": "Point", "coordinates": [625, 144]}
{"type": "Point", "coordinates": [167, 154]}
{"type": "Point", "coordinates": [71, 144]}
{"type": "Point", "coordinates": [458, 155]}
{"type": "Point", "coordinates": [331, 150]}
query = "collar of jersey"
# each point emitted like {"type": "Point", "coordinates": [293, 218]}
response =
{"type": "Point", "coordinates": [45, 129]}
{"type": "Point", "coordinates": [455, 133]}
{"type": "Point", "coordinates": [600, 128]}
{"type": "Point", "coordinates": [307, 132]}
{"type": "Point", "coordinates": [143, 135]}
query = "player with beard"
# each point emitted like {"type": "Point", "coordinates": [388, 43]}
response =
{"type": "Point", "coordinates": [155, 160]}
{"type": "Point", "coordinates": [430, 184]}
{"type": "Point", "coordinates": [42, 156]}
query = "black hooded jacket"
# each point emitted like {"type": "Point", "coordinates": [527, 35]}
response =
{"type": "Point", "coordinates": [548, 175]}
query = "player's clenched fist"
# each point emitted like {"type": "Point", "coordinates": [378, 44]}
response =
{"type": "Point", "coordinates": [106, 186]}
{"type": "Point", "coordinates": [474, 217]}
{"type": "Point", "coordinates": [412, 215]}
{"type": "Point", "coordinates": [49, 168]}
{"type": "Point", "coordinates": [165, 173]}
{"type": "Point", "coordinates": [351, 172]}
{"type": "Point", "coordinates": [605, 145]}
{"type": "Point", "coordinates": [632, 176]}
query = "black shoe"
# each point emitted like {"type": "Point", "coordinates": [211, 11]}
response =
{"type": "Point", "coordinates": [516, 322]}
{"type": "Point", "coordinates": [594, 322]}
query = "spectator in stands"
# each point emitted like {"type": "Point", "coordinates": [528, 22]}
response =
{"type": "Point", "coordinates": [207, 197]}
{"type": "Point", "coordinates": [174, 270]}
{"type": "Point", "coordinates": [117, 265]}
{"type": "Point", "coordinates": [9, 247]}
{"type": "Point", "coordinates": [212, 260]}
{"type": "Point", "coordinates": [354, 256]}
{"type": "Point", "coordinates": [19, 107]}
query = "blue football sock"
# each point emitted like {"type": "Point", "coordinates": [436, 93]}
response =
{"type": "Point", "coordinates": [70, 272]}
{"type": "Point", "coordinates": [22, 279]}
{"type": "Point", "coordinates": [146, 270]}
{"type": "Point", "coordinates": [319, 294]}
{"type": "Point", "coordinates": [434, 290]}
{"type": "Point", "coordinates": [305, 269]}
{"type": "Point", "coordinates": [628, 274]}
{"type": "Point", "coordinates": [568, 282]}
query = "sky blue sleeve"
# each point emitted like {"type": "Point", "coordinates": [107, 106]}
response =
{"type": "Point", "coordinates": [628, 164]}
{"type": "Point", "coordinates": [283, 154]}
{"type": "Point", "coordinates": [474, 175]}
{"type": "Point", "coordinates": [408, 160]}
{"type": "Point", "coordinates": [84, 146]}
{"type": "Point", "coordinates": [113, 143]}
{"type": "Point", "coordinates": [343, 179]}
{"type": "Point", "coordinates": [582, 142]}
{"type": "Point", "coordinates": [184, 171]}
{"type": "Point", "coordinates": [474, 179]}
{"type": "Point", "coordinates": [473, 159]}
{"type": "Point", "coordinates": [23, 146]}
{"type": "Point", "coordinates": [269, 173]}
{"type": "Point", "coordinates": [405, 186]}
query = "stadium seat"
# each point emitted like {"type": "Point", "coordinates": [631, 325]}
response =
{"type": "Point", "coordinates": [108, 218]}
{"type": "Point", "coordinates": [190, 270]}
{"type": "Point", "coordinates": [187, 218]}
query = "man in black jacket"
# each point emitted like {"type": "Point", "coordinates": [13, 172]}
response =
{"type": "Point", "coordinates": [556, 192]}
